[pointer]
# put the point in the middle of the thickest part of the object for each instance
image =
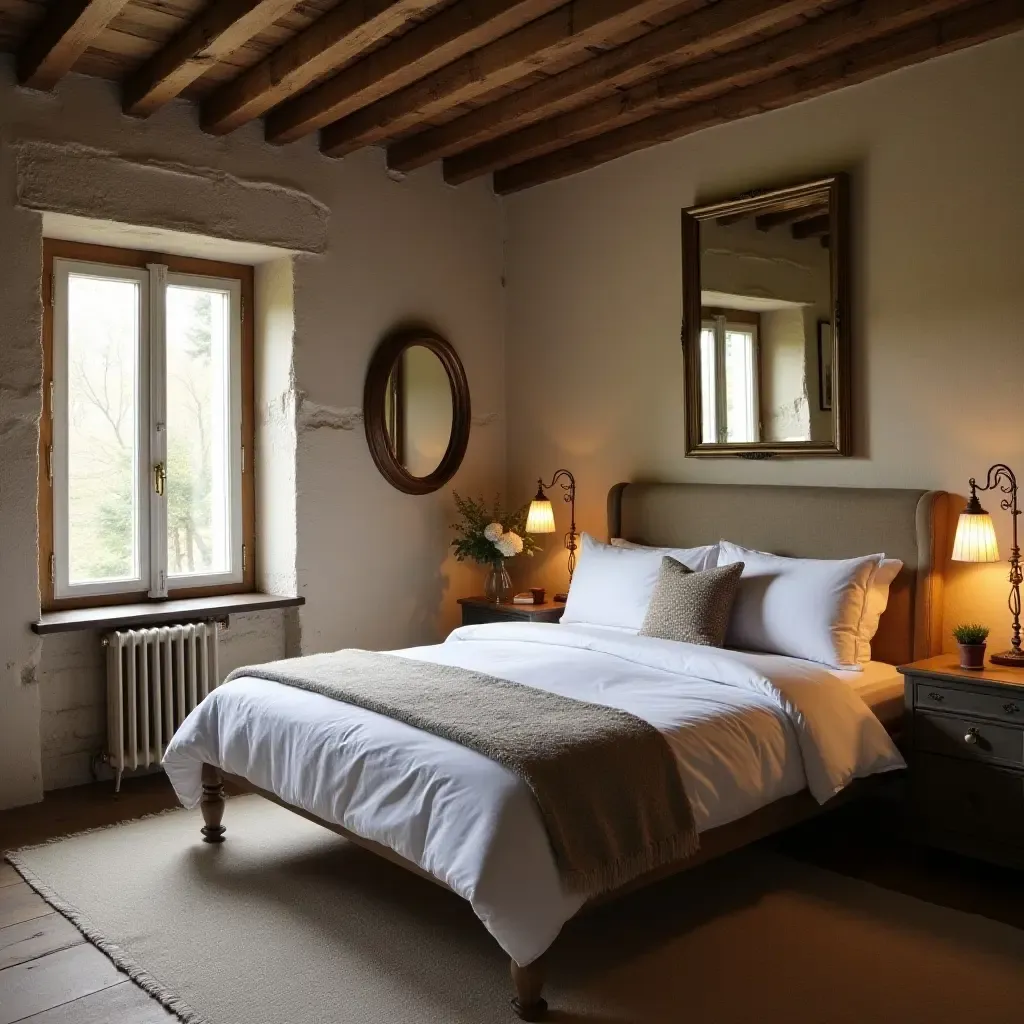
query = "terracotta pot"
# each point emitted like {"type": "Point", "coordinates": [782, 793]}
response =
{"type": "Point", "coordinates": [972, 655]}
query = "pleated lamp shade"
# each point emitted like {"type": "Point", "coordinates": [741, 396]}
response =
{"type": "Point", "coordinates": [975, 538]}
{"type": "Point", "coordinates": [541, 517]}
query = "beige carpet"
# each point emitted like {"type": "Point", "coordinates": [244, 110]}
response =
{"type": "Point", "coordinates": [285, 923]}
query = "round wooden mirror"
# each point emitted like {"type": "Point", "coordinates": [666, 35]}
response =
{"type": "Point", "coordinates": [416, 410]}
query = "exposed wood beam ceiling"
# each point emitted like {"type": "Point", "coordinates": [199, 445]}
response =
{"type": "Point", "coordinates": [685, 39]}
{"type": "Point", "coordinates": [572, 27]}
{"type": "Point", "coordinates": [529, 90]}
{"type": "Point", "coordinates": [426, 49]}
{"type": "Point", "coordinates": [216, 33]}
{"type": "Point", "coordinates": [67, 28]}
{"type": "Point", "coordinates": [826, 35]}
{"type": "Point", "coordinates": [333, 40]}
{"type": "Point", "coordinates": [860, 64]}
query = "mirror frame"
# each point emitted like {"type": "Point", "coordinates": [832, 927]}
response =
{"type": "Point", "coordinates": [835, 190]}
{"type": "Point", "coordinates": [375, 389]}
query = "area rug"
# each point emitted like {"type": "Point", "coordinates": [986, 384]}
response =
{"type": "Point", "coordinates": [286, 923]}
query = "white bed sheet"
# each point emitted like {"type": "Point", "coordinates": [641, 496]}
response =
{"type": "Point", "coordinates": [746, 730]}
{"type": "Point", "coordinates": [877, 680]}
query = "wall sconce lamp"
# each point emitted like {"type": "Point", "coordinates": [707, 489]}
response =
{"type": "Point", "coordinates": [541, 517]}
{"type": "Point", "coordinates": [976, 542]}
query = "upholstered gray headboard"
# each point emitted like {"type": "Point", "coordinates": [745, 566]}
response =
{"type": "Point", "coordinates": [810, 522]}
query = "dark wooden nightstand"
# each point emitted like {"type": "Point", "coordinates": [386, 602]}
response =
{"type": "Point", "coordinates": [965, 748]}
{"type": "Point", "coordinates": [476, 610]}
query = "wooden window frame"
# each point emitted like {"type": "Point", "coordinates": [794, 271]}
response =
{"type": "Point", "coordinates": [56, 249]}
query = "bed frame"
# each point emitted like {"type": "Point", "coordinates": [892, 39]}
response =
{"type": "Point", "coordinates": [806, 522]}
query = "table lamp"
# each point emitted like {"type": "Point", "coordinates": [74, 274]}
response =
{"type": "Point", "coordinates": [541, 517]}
{"type": "Point", "coordinates": [976, 542]}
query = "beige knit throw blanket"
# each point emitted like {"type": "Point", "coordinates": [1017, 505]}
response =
{"type": "Point", "coordinates": [606, 782]}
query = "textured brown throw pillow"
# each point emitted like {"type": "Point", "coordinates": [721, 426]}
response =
{"type": "Point", "coordinates": [692, 607]}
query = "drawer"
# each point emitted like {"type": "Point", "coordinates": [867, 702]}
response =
{"type": "Point", "coordinates": [968, 739]}
{"type": "Point", "coordinates": [472, 616]}
{"type": "Point", "coordinates": [973, 800]}
{"type": "Point", "coordinates": [947, 698]}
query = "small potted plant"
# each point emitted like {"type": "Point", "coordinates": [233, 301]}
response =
{"type": "Point", "coordinates": [489, 535]}
{"type": "Point", "coordinates": [970, 638]}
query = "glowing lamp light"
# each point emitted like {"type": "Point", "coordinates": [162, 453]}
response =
{"type": "Point", "coordinates": [541, 518]}
{"type": "Point", "coordinates": [975, 536]}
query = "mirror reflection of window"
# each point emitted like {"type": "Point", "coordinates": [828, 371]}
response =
{"type": "Point", "coordinates": [766, 315]}
{"type": "Point", "coordinates": [418, 410]}
{"type": "Point", "coordinates": [730, 389]}
{"type": "Point", "coordinates": [768, 276]}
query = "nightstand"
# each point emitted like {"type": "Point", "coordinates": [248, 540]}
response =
{"type": "Point", "coordinates": [965, 749]}
{"type": "Point", "coordinates": [476, 610]}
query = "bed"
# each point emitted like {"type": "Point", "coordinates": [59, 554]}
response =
{"type": "Point", "coordinates": [762, 741]}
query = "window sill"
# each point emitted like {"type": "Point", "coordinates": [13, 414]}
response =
{"type": "Point", "coordinates": [158, 613]}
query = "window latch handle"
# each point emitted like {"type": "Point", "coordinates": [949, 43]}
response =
{"type": "Point", "coordinates": [159, 478]}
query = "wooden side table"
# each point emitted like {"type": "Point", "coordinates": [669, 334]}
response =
{"type": "Point", "coordinates": [476, 610]}
{"type": "Point", "coordinates": [966, 755]}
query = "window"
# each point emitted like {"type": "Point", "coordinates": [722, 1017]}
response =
{"type": "Point", "coordinates": [147, 432]}
{"type": "Point", "coordinates": [729, 364]}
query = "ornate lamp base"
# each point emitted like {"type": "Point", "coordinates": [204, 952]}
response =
{"type": "Point", "coordinates": [1015, 659]}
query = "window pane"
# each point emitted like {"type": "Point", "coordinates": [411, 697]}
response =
{"type": "Point", "coordinates": [198, 431]}
{"type": "Point", "coordinates": [739, 378]}
{"type": "Point", "coordinates": [103, 419]}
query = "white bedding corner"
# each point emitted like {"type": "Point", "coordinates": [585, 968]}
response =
{"type": "Point", "coordinates": [745, 729]}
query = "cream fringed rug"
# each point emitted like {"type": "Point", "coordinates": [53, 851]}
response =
{"type": "Point", "coordinates": [286, 923]}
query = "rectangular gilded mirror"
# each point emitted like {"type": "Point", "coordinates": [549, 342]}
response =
{"type": "Point", "coordinates": [766, 325]}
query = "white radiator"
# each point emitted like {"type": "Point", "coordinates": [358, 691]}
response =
{"type": "Point", "coordinates": [155, 677]}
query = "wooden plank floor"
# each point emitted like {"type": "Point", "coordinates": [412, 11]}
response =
{"type": "Point", "coordinates": [49, 974]}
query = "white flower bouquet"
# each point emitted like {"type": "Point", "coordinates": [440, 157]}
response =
{"type": "Point", "coordinates": [486, 534]}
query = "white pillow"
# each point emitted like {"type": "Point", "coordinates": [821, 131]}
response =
{"type": "Point", "coordinates": [705, 554]}
{"type": "Point", "coordinates": [612, 586]}
{"type": "Point", "coordinates": [878, 597]}
{"type": "Point", "coordinates": [808, 608]}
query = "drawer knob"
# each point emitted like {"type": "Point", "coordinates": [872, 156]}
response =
{"type": "Point", "coordinates": [972, 736]}
{"type": "Point", "coordinates": [937, 697]}
{"type": "Point", "coordinates": [1011, 709]}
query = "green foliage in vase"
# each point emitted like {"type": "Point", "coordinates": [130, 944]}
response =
{"type": "Point", "coordinates": [970, 634]}
{"type": "Point", "coordinates": [487, 533]}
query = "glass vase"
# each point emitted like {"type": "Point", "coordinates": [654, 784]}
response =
{"type": "Point", "coordinates": [498, 583]}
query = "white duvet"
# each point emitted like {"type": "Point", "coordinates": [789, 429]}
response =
{"type": "Point", "coordinates": [746, 729]}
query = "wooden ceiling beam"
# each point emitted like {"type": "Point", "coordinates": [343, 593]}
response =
{"type": "Point", "coordinates": [215, 33]}
{"type": "Point", "coordinates": [334, 39]}
{"type": "Point", "coordinates": [67, 29]}
{"type": "Point", "coordinates": [955, 31]}
{"type": "Point", "coordinates": [767, 221]}
{"type": "Point", "coordinates": [440, 40]}
{"type": "Point", "coordinates": [572, 27]}
{"type": "Point", "coordinates": [811, 227]}
{"type": "Point", "coordinates": [685, 39]}
{"type": "Point", "coordinates": [826, 35]}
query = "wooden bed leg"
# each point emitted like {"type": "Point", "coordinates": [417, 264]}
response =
{"type": "Point", "coordinates": [212, 805]}
{"type": "Point", "coordinates": [528, 1003]}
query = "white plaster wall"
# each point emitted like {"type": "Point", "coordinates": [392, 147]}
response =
{"type": "Point", "coordinates": [371, 562]}
{"type": "Point", "coordinates": [937, 155]}
{"type": "Point", "coordinates": [785, 383]}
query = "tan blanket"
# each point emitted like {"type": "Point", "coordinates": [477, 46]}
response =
{"type": "Point", "coordinates": [606, 782]}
